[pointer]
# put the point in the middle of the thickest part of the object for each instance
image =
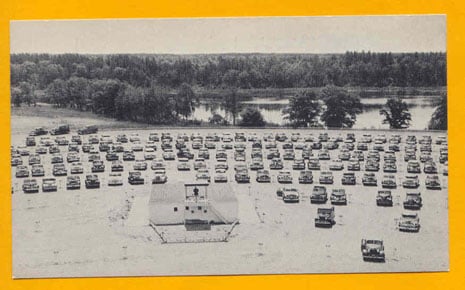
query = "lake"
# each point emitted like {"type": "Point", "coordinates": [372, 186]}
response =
{"type": "Point", "coordinates": [420, 107]}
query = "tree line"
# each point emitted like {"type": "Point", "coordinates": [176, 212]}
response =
{"type": "Point", "coordinates": [334, 107]}
{"type": "Point", "coordinates": [160, 89]}
{"type": "Point", "coordinates": [363, 69]}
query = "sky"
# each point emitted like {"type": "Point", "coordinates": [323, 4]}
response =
{"type": "Point", "coordinates": [419, 33]}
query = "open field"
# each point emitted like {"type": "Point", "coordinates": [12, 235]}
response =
{"type": "Point", "coordinates": [105, 232]}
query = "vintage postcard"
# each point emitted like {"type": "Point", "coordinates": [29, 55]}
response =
{"type": "Point", "coordinates": [227, 146]}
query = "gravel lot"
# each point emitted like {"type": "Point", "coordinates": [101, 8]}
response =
{"type": "Point", "coordinates": [105, 232]}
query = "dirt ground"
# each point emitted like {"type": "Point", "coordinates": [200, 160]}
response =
{"type": "Point", "coordinates": [105, 232]}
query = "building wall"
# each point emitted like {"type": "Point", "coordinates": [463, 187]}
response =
{"type": "Point", "coordinates": [222, 206]}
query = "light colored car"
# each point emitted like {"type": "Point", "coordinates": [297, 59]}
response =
{"type": "Point", "coordinates": [115, 179]}
{"type": "Point", "coordinates": [284, 177]}
{"type": "Point", "coordinates": [290, 195]}
{"type": "Point", "coordinates": [220, 175]}
{"type": "Point", "coordinates": [203, 175]}
{"type": "Point", "coordinates": [76, 168]}
{"type": "Point", "coordinates": [409, 222]}
{"type": "Point", "coordinates": [160, 177]}
{"type": "Point", "coordinates": [336, 164]}
{"type": "Point", "coordinates": [183, 164]}
{"type": "Point", "coordinates": [140, 165]}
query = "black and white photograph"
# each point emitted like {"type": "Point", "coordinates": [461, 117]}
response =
{"type": "Point", "coordinates": [229, 146]}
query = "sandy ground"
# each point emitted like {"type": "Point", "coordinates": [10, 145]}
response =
{"type": "Point", "coordinates": [83, 232]}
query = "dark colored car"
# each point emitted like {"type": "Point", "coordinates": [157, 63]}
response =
{"type": "Point", "coordinates": [92, 181]}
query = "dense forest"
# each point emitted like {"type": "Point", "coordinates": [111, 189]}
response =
{"type": "Point", "coordinates": [161, 88]}
{"type": "Point", "coordinates": [245, 71]}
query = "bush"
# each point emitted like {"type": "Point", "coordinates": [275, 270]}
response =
{"type": "Point", "coordinates": [252, 117]}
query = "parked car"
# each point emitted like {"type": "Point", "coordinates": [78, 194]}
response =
{"type": "Point", "coordinates": [92, 181]}
{"type": "Point", "coordinates": [413, 166]}
{"type": "Point", "coordinates": [76, 139]}
{"type": "Point", "coordinates": [263, 176]}
{"type": "Point", "coordinates": [59, 169]}
{"type": "Point", "coordinates": [117, 166]}
{"type": "Point", "coordinates": [56, 158]}
{"type": "Point", "coordinates": [38, 132]}
{"type": "Point", "coordinates": [30, 186]}
{"type": "Point", "coordinates": [242, 176]}
{"type": "Point", "coordinates": [183, 164]}
{"type": "Point", "coordinates": [354, 165]}
{"type": "Point", "coordinates": [373, 250]}
{"type": "Point", "coordinates": [257, 164]}
{"type": "Point", "coordinates": [34, 159]}
{"type": "Point", "coordinates": [409, 222]}
{"type": "Point", "coordinates": [284, 177]}
{"type": "Point", "coordinates": [122, 138]}
{"type": "Point", "coordinates": [369, 179]}
{"type": "Point", "coordinates": [115, 179]}
{"type": "Point", "coordinates": [319, 195]}
{"type": "Point", "coordinates": [49, 184]}
{"type": "Point", "coordinates": [199, 163]}
{"type": "Point", "coordinates": [326, 177]}
{"type": "Point", "coordinates": [135, 177]}
{"type": "Point", "coordinates": [90, 129]}
{"type": "Point", "coordinates": [384, 198]}
{"type": "Point", "coordinates": [60, 130]}
{"type": "Point", "coordinates": [37, 170]}
{"type": "Point", "coordinates": [98, 166]}
{"type": "Point", "coordinates": [157, 164]}
{"type": "Point", "coordinates": [336, 164]}
{"type": "Point", "coordinates": [22, 171]}
{"type": "Point", "coordinates": [73, 182]}
{"type": "Point", "coordinates": [220, 176]}
{"type": "Point", "coordinates": [314, 164]}
{"type": "Point", "coordinates": [389, 181]}
{"type": "Point", "coordinates": [413, 201]}
{"type": "Point", "coordinates": [324, 155]}
{"type": "Point", "coordinates": [411, 181]}
{"type": "Point", "coordinates": [73, 154]}
{"type": "Point", "coordinates": [432, 182]}
{"type": "Point", "coordinates": [30, 141]}
{"type": "Point", "coordinates": [129, 156]}
{"type": "Point", "coordinates": [338, 197]}
{"type": "Point", "coordinates": [348, 178]}
{"type": "Point", "coordinates": [371, 165]}
{"type": "Point", "coordinates": [160, 177]}
{"type": "Point", "coordinates": [61, 141]}
{"type": "Point", "coordinates": [76, 168]}
{"type": "Point", "coordinates": [390, 167]}
{"type": "Point", "coordinates": [140, 165]}
{"type": "Point", "coordinates": [290, 195]}
{"type": "Point", "coordinates": [276, 164]}
{"type": "Point", "coordinates": [430, 168]}
{"type": "Point", "coordinates": [203, 175]}
{"type": "Point", "coordinates": [288, 154]}
{"type": "Point", "coordinates": [306, 177]}
{"type": "Point", "coordinates": [16, 160]}
{"type": "Point", "coordinates": [325, 217]}
{"type": "Point", "coordinates": [111, 156]}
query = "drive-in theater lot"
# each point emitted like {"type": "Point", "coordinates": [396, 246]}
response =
{"type": "Point", "coordinates": [105, 231]}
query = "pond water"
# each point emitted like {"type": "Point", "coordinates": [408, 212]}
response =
{"type": "Point", "coordinates": [420, 107]}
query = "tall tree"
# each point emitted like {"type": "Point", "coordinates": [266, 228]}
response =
{"type": "Point", "coordinates": [396, 114]}
{"type": "Point", "coordinates": [303, 110]}
{"type": "Point", "coordinates": [439, 118]}
{"type": "Point", "coordinates": [185, 100]}
{"type": "Point", "coordinates": [341, 108]}
{"type": "Point", "coordinates": [16, 96]}
{"type": "Point", "coordinates": [252, 117]}
{"type": "Point", "coordinates": [57, 93]}
{"type": "Point", "coordinates": [232, 103]}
